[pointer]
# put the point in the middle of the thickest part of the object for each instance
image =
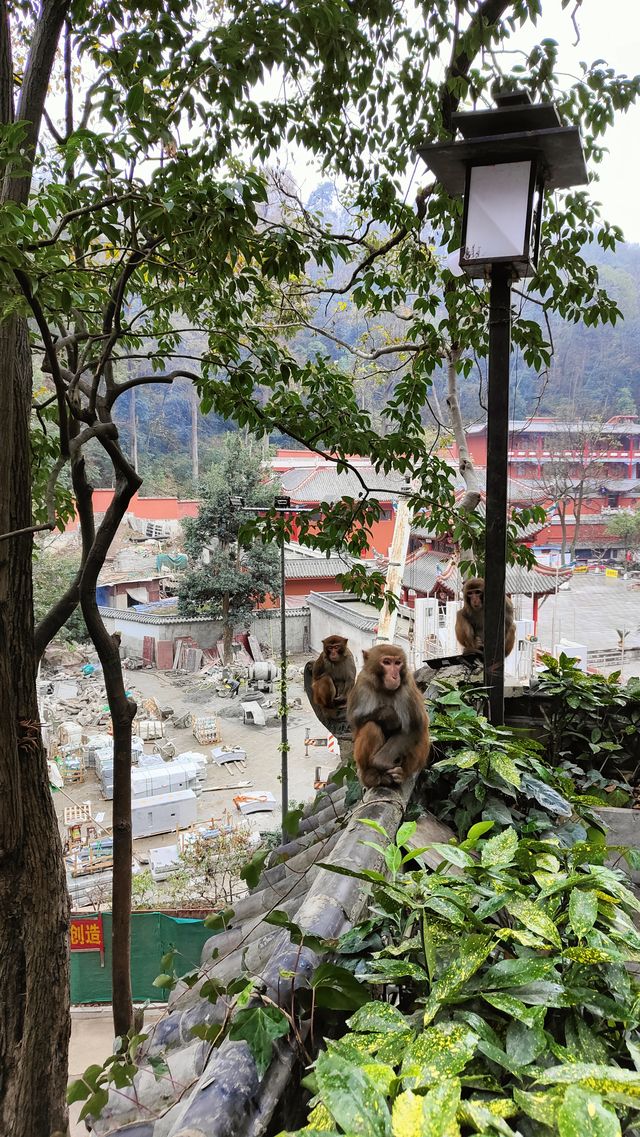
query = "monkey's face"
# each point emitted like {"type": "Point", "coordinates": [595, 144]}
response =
{"type": "Point", "coordinates": [335, 651]}
{"type": "Point", "coordinates": [475, 598]}
{"type": "Point", "coordinates": [391, 669]}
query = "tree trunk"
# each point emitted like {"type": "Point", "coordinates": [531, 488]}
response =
{"type": "Point", "coordinates": [34, 905]}
{"type": "Point", "coordinates": [195, 468]}
{"type": "Point", "coordinates": [122, 711]}
{"type": "Point", "coordinates": [577, 513]}
{"type": "Point", "coordinates": [228, 629]}
{"type": "Point", "coordinates": [562, 510]}
{"type": "Point", "coordinates": [133, 425]}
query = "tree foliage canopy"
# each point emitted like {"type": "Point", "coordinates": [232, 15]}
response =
{"type": "Point", "coordinates": [236, 574]}
{"type": "Point", "coordinates": [158, 213]}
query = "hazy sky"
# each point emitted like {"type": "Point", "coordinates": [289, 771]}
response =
{"type": "Point", "coordinates": [609, 30]}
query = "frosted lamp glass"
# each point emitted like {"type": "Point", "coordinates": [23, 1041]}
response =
{"type": "Point", "coordinates": [497, 212]}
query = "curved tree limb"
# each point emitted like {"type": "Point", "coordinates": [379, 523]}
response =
{"type": "Point", "coordinates": [122, 711]}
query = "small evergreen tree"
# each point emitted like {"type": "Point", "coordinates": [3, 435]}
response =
{"type": "Point", "coordinates": [230, 578]}
{"type": "Point", "coordinates": [626, 527]}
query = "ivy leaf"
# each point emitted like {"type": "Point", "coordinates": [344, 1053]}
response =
{"type": "Point", "coordinates": [499, 851]}
{"type": "Point", "coordinates": [77, 1091]}
{"type": "Point", "coordinates": [251, 871]}
{"type": "Point", "coordinates": [291, 822]}
{"type": "Point", "coordinates": [219, 921]}
{"type": "Point", "coordinates": [259, 1027]}
{"type": "Point", "coordinates": [583, 1114]}
{"type": "Point", "coordinates": [583, 911]}
{"type": "Point", "coordinates": [164, 982]}
{"type": "Point", "coordinates": [95, 1105]}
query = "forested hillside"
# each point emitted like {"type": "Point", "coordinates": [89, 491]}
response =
{"type": "Point", "coordinates": [594, 370]}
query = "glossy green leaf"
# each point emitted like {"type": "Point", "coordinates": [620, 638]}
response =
{"type": "Point", "coordinates": [500, 850]}
{"type": "Point", "coordinates": [483, 1120]}
{"type": "Point", "coordinates": [473, 952]}
{"type": "Point", "coordinates": [517, 972]}
{"type": "Point", "coordinates": [596, 1077]}
{"type": "Point", "coordinates": [541, 1105]}
{"type": "Point", "coordinates": [337, 989]}
{"type": "Point", "coordinates": [439, 1109]}
{"type": "Point", "coordinates": [534, 919]}
{"type": "Point", "coordinates": [479, 829]}
{"type": "Point", "coordinates": [514, 1008]}
{"type": "Point", "coordinates": [453, 853]}
{"type": "Point", "coordinates": [405, 832]}
{"type": "Point", "coordinates": [389, 970]}
{"type": "Point", "coordinates": [406, 1115]}
{"type": "Point", "coordinates": [378, 1016]}
{"type": "Point", "coordinates": [583, 911]}
{"type": "Point", "coordinates": [439, 1052]}
{"type": "Point", "coordinates": [524, 1043]}
{"type": "Point", "coordinates": [352, 1098]}
{"type": "Point", "coordinates": [583, 1114]}
{"type": "Point", "coordinates": [506, 768]}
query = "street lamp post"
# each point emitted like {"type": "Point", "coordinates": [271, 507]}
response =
{"type": "Point", "coordinates": [281, 505]}
{"type": "Point", "coordinates": [506, 159]}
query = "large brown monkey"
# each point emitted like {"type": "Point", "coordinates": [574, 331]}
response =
{"type": "Point", "coordinates": [333, 675]}
{"type": "Point", "coordinates": [470, 619]}
{"type": "Point", "coordinates": [388, 719]}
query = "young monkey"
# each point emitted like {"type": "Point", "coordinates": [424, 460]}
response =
{"type": "Point", "coordinates": [470, 619]}
{"type": "Point", "coordinates": [333, 675]}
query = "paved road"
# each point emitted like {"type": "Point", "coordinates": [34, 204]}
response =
{"type": "Point", "coordinates": [590, 612]}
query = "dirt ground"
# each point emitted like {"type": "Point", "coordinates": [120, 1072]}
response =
{"type": "Point", "coordinates": [263, 767]}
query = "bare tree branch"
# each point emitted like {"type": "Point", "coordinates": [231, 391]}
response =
{"type": "Point", "coordinates": [29, 529]}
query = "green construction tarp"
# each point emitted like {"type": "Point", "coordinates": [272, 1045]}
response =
{"type": "Point", "coordinates": [152, 935]}
{"type": "Point", "coordinates": [176, 561]}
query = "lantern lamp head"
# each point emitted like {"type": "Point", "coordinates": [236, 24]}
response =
{"type": "Point", "coordinates": [506, 158]}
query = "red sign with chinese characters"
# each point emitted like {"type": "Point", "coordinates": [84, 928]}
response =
{"type": "Point", "coordinates": [87, 934]}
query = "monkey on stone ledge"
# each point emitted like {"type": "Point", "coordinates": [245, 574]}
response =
{"type": "Point", "coordinates": [470, 619]}
{"type": "Point", "coordinates": [333, 675]}
{"type": "Point", "coordinates": [388, 719]}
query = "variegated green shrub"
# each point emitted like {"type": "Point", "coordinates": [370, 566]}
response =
{"type": "Point", "coordinates": [501, 1001]}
